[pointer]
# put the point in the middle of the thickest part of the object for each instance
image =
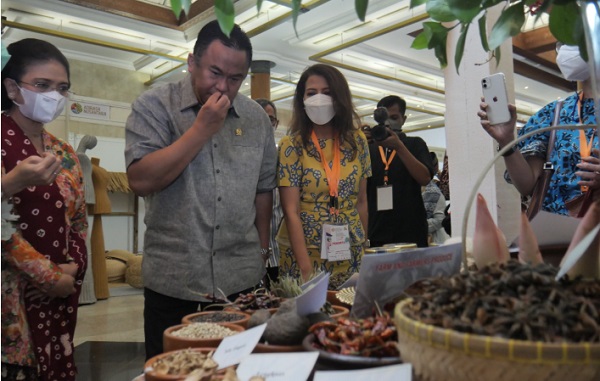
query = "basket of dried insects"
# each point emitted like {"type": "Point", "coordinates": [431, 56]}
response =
{"type": "Point", "coordinates": [504, 322]}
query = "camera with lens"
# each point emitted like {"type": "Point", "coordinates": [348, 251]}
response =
{"type": "Point", "coordinates": [380, 132]}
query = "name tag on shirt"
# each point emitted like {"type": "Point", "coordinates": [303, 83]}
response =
{"type": "Point", "coordinates": [385, 198]}
{"type": "Point", "coordinates": [335, 242]}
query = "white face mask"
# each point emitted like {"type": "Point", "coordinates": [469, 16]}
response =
{"type": "Point", "coordinates": [571, 65]}
{"type": "Point", "coordinates": [41, 107]}
{"type": "Point", "coordinates": [319, 109]}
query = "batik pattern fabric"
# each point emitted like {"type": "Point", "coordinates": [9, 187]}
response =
{"type": "Point", "coordinates": [301, 167]}
{"type": "Point", "coordinates": [51, 231]}
{"type": "Point", "coordinates": [566, 154]}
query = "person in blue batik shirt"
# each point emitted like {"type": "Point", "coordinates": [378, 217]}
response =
{"type": "Point", "coordinates": [575, 154]}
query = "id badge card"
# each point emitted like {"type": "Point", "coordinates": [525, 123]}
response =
{"type": "Point", "coordinates": [335, 242]}
{"type": "Point", "coordinates": [385, 198]}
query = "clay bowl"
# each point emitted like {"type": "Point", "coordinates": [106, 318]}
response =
{"type": "Point", "coordinates": [340, 311]}
{"type": "Point", "coordinates": [234, 317]}
{"type": "Point", "coordinates": [152, 375]}
{"type": "Point", "coordinates": [172, 342]}
{"type": "Point", "coordinates": [268, 348]}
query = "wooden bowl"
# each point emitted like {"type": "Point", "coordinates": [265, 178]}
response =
{"type": "Point", "coordinates": [150, 374]}
{"type": "Point", "coordinates": [172, 342]}
{"type": "Point", "coordinates": [205, 316]}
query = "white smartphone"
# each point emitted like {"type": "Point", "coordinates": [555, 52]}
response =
{"type": "Point", "coordinates": [494, 92]}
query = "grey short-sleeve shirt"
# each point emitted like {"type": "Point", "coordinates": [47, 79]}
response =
{"type": "Point", "coordinates": [200, 231]}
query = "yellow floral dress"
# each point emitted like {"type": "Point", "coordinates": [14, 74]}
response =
{"type": "Point", "coordinates": [302, 168]}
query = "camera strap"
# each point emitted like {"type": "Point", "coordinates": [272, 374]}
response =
{"type": "Point", "coordinates": [386, 161]}
{"type": "Point", "coordinates": [332, 173]}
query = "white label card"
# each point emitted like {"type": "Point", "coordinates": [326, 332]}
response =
{"type": "Point", "coordinates": [234, 348]}
{"type": "Point", "coordinates": [278, 366]}
{"type": "Point", "coordinates": [575, 254]}
{"type": "Point", "coordinates": [385, 198]}
{"type": "Point", "coordinates": [335, 242]}
{"type": "Point", "coordinates": [399, 372]}
{"type": "Point", "coordinates": [313, 297]}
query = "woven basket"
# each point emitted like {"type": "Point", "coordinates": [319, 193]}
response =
{"type": "Point", "coordinates": [439, 354]}
{"type": "Point", "coordinates": [133, 273]}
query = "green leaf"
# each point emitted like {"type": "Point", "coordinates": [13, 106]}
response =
{"type": "Point", "coordinates": [440, 54]}
{"type": "Point", "coordinates": [565, 23]}
{"type": "Point", "coordinates": [225, 15]}
{"type": "Point", "coordinates": [483, 32]}
{"type": "Point", "coordinates": [433, 36]}
{"type": "Point", "coordinates": [176, 7]}
{"type": "Point", "coordinates": [422, 40]}
{"type": "Point", "coordinates": [440, 11]}
{"type": "Point", "coordinates": [460, 46]}
{"type": "Point", "coordinates": [258, 5]}
{"type": "Point", "coordinates": [361, 8]}
{"type": "Point", "coordinates": [497, 54]}
{"type": "Point", "coordinates": [416, 3]}
{"type": "Point", "coordinates": [295, 11]}
{"type": "Point", "coordinates": [465, 10]}
{"type": "Point", "coordinates": [508, 25]}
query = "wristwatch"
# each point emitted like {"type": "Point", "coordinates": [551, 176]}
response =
{"type": "Point", "coordinates": [266, 253]}
{"type": "Point", "coordinates": [512, 150]}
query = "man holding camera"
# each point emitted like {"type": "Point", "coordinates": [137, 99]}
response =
{"type": "Point", "coordinates": [401, 165]}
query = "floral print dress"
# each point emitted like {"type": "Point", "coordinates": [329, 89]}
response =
{"type": "Point", "coordinates": [302, 168]}
{"type": "Point", "coordinates": [566, 154]}
{"type": "Point", "coordinates": [51, 230]}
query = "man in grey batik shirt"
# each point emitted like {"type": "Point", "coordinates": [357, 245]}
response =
{"type": "Point", "coordinates": [203, 157]}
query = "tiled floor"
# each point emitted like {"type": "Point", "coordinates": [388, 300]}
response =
{"type": "Point", "coordinates": [109, 338]}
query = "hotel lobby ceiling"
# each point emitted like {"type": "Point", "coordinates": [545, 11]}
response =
{"type": "Point", "coordinates": [375, 55]}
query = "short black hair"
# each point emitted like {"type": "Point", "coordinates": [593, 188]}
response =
{"type": "Point", "coordinates": [434, 160]}
{"type": "Point", "coordinates": [263, 102]}
{"type": "Point", "coordinates": [212, 31]}
{"type": "Point", "coordinates": [24, 53]}
{"type": "Point", "coordinates": [391, 100]}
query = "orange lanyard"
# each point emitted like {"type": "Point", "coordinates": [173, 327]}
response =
{"type": "Point", "coordinates": [585, 147]}
{"type": "Point", "coordinates": [386, 162]}
{"type": "Point", "coordinates": [332, 173]}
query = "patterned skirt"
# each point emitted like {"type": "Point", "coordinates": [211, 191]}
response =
{"type": "Point", "coordinates": [289, 266]}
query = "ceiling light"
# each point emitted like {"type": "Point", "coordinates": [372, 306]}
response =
{"type": "Point", "coordinates": [526, 87]}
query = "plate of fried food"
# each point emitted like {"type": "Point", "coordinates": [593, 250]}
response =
{"type": "Point", "coordinates": [354, 343]}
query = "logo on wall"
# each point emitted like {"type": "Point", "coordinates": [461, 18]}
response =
{"type": "Point", "coordinates": [76, 108]}
{"type": "Point", "coordinates": [90, 110]}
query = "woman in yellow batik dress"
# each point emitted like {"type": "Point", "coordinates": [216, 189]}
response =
{"type": "Point", "coordinates": [323, 113]}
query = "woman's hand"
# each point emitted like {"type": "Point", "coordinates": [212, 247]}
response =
{"type": "Point", "coordinates": [34, 170]}
{"type": "Point", "coordinates": [64, 287]}
{"type": "Point", "coordinates": [590, 170]}
{"type": "Point", "coordinates": [69, 268]}
{"type": "Point", "coordinates": [503, 133]}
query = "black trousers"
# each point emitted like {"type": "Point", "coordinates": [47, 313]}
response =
{"type": "Point", "coordinates": [162, 311]}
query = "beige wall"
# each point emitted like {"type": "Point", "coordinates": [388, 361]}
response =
{"type": "Point", "coordinates": [100, 82]}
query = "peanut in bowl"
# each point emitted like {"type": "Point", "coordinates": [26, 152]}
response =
{"type": "Point", "coordinates": [198, 335]}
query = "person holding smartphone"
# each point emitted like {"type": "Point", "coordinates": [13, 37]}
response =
{"type": "Point", "coordinates": [401, 166]}
{"type": "Point", "coordinates": [575, 152]}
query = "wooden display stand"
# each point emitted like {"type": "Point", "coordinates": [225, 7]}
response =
{"type": "Point", "coordinates": [100, 178]}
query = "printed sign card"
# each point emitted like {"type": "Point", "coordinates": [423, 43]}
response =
{"type": "Point", "coordinates": [278, 366]}
{"type": "Point", "coordinates": [577, 252]}
{"type": "Point", "coordinates": [234, 348]}
{"type": "Point", "coordinates": [314, 297]}
{"type": "Point", "coordinates": [383, 277]}
{"type": "Point", "coordinates": [399, 372]}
